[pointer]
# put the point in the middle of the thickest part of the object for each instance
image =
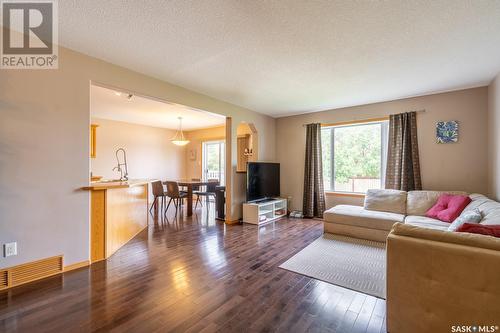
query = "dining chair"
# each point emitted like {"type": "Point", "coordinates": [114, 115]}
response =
{"type": "Point", "coordinates": [210, 190]}
{"type": "Point", "coordinates": [175, 194]}
{"type": "Point", "coordinates": [158, 193]}
{"type": "Point", "coordinates": [196, 189]}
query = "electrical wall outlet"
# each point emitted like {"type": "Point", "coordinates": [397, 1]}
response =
{"type": "Point", "coordinates": [10, 249]}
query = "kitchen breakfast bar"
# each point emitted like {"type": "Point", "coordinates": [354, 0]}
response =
{"type": "Point", "coordinates": [118, 212]}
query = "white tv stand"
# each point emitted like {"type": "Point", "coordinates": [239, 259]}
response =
{"type": "Point", "coordinates": [265, 211]}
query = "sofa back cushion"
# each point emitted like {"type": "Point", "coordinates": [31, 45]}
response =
{"type": "Point", "coordinates": [392, 201]}
{"type": "Point", "coordinates": [466, 239]}
{"type": "Point", "coordinates": [419, 202]}
{"type": "Point", "coordinates": [490, 209]}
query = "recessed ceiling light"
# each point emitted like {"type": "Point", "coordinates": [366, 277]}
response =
{"type": "Point", "coordinates": [117, 93]}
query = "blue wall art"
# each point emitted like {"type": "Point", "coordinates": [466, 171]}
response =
{"type": "Point", "coordinates": [447, 131]}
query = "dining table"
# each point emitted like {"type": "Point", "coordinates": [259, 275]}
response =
{"type": "Point", "coordinates": [189, 184]}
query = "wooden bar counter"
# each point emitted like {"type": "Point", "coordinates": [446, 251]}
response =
{"type": "Point", "coordinates": [118, 212]}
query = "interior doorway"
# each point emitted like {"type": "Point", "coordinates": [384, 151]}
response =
{"type": "Point", "coordinates": [163, 141]}
{"type": "Point", "coordinates": [213, 160]}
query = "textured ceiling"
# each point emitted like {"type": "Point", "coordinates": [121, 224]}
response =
{"type": "Point", "coordinates": [286, 57]}
{"type": "Point", "coordinates": [114, 105]}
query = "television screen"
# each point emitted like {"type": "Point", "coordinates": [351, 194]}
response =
{"type": "Point", "coordinates": [263, 180]}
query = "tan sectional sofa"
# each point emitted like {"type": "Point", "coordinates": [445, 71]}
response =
{"type": "Point", "coordinates": [439, 280]}
{"type": "Point", "coordinates": [436, 280]}
{"type": "Point", "coordinates": [382, 209]}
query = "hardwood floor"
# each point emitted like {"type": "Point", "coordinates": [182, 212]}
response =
{"type": "Point", "coordinates": [196, 275]}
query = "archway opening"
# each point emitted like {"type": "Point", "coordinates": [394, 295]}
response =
{"type": "Point", "coordinates": [247, 148]}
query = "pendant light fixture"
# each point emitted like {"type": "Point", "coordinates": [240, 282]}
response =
{"type": "Point", "coordinates": [179, 138]}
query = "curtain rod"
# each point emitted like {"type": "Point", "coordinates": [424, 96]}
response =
{"type": "Point", "coordinates": [368, 120]}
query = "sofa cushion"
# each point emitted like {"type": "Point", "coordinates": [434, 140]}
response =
{"type": "Point", "coordinates": [490, 209]}
{"type": "Point", "coordinates": [448, 207]}
{"type": "Point", "coordinates": [392, 201]}
{"type": "Point", "coordinates": [466, 239]}
{"type": "Point", "coordinates": [426, 222]}
{"type": "Point", "coordinates": [358, 216]}
{"type": "Point", "coordinates": [377, 235]}
{"type": "Point", "coordinates": [419, 202]}
{"type": "Point", "coordinates": [492, 218]}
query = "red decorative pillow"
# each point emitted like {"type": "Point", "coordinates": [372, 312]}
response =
{"type": "Point", "coordinates": [474, 228]}
{"type": "Point", "coordinates": [448, 207]}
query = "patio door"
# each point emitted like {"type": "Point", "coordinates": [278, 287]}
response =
{"type": "Point", "coordinates": [213, 160]}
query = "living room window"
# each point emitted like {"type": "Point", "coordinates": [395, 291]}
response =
{"type": "Point", "coordinates": [354, 156]}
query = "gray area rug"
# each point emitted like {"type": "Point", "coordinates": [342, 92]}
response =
{"type": "Point", "coordinates": [357, 264]}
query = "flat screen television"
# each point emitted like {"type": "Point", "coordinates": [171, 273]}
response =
{"type": "Point", "coordinates": [263, 181]}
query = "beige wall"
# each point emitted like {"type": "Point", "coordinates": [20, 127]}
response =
{"type": "Point", "coordinates": [243, 129]}
{"type": "Point", "coordinates": [196, 139]}
{"type": "Point", "coordinates": [150, 154]}
{"type": "Point", "coordinates": [460, 166]}
{"type": "Point", "coordinates": [44, 149]}
{"type": "Point", "coordinates": [494, 138]}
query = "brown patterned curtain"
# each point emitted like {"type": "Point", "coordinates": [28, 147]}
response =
{"type": "Point", "coordinates": [403, 165]}
{"type": "Point", "coordinates": [314, 195]}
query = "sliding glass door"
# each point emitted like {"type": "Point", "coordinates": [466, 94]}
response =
{"type": "Point", "coordinates": [213, 160]}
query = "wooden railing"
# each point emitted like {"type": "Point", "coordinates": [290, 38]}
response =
{"type": "Point", "coordinates": [356, 185]}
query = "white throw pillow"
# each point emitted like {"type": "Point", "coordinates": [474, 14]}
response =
{"type": "Point", "coordinates": [469, 216]}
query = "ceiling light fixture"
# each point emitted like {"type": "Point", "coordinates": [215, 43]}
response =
{"type": "Point", "coordinates": [179, 138]}
{"type": "Point", "coordinates": [117, 93]}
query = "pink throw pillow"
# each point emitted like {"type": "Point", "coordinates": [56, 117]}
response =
{"type": "Point", "coordinates": [448, 207]}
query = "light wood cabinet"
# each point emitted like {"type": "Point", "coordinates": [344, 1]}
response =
{"type": "Point", "coordinates": [93, 138]}
{"type": "Point", "coordinates": [118, 213]}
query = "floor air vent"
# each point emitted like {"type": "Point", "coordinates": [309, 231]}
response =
{"type": "Point", "coordinates": [4, 279]}
{"type": "Point", "coordinates": [17, 275]}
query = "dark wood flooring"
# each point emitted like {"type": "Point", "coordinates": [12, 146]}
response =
{"type": "Point", "coordinates": [195, 275]}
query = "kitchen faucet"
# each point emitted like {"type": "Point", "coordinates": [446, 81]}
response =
{"type": "Point", "coordinates": [121, 167]}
